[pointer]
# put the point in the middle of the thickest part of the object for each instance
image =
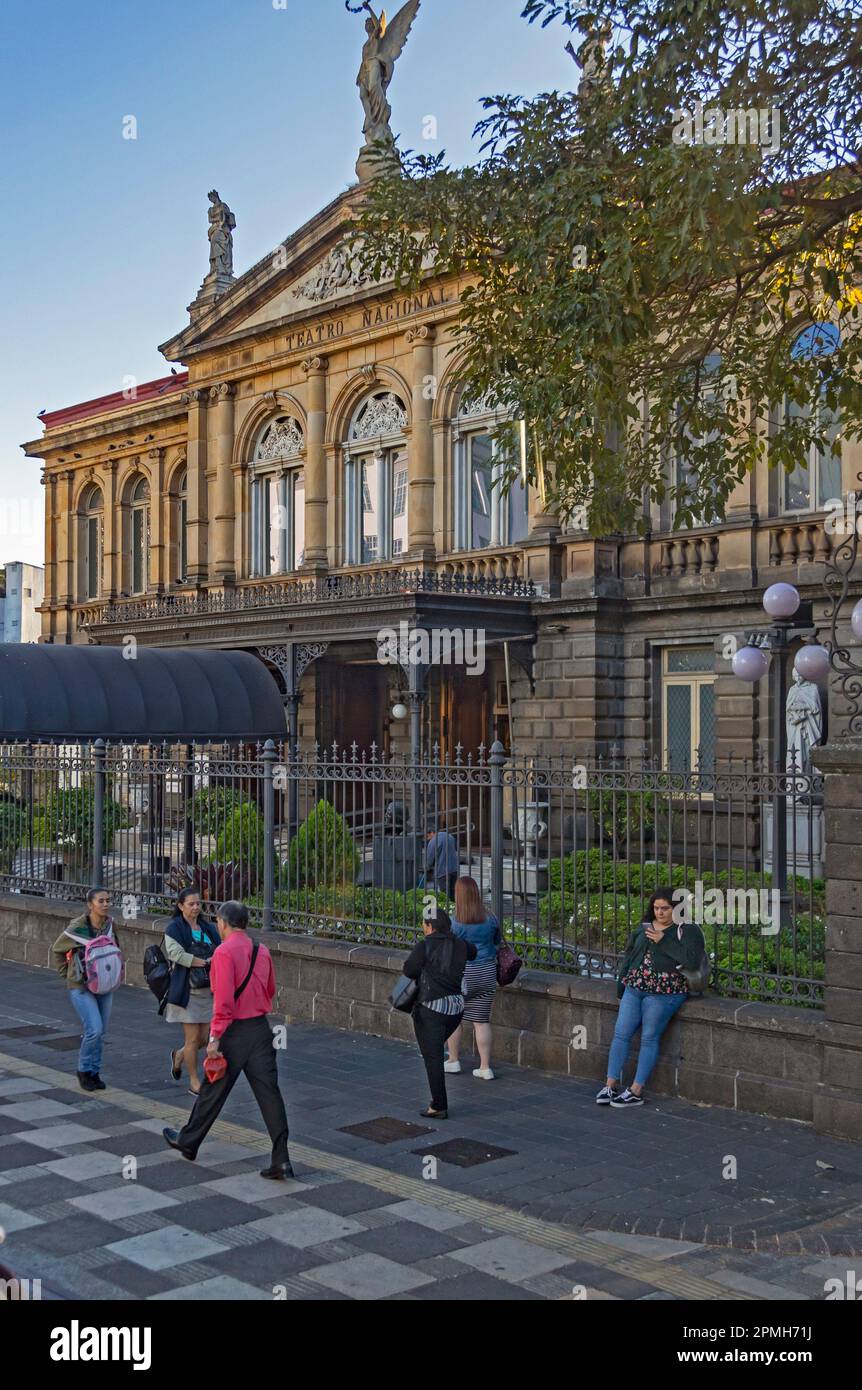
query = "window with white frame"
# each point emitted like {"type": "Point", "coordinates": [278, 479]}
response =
{"type": "Point", "coordinates": [688, 709]}
{"type": "Point", "coordinates": [485, 514]}
{"type": "Point", "coordinates": [376, 493]}
{"type": "Point", "coordinates": [278, 498]}
{"type": "Point", "coordinates": [181, 518]}
{"type": "Point", "coordinates": [685, 470]}
{"type": "Point", "coordinates": [816, 479]}
{"type": "Point", "coordinates": [91, 542]}
{"type": "Point", "coordinates": [139, 536]}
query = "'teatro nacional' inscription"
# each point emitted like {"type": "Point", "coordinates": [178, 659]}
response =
{"type": "Point", "coordinates": [371, 318]}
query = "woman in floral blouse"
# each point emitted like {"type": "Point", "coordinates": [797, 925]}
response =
{"type": "Point", "coordinates": [651, 991]}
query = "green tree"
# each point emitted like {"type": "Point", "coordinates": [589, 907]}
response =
{"type": "Point", "coordinates": [634, 291]}
{"type": "Point", "coordinates": [322, 853]}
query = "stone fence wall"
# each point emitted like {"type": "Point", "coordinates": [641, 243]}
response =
{"type": "Point", "coordinates": [773, 1061]}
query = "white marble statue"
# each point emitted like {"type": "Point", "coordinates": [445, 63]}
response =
{"type": "Point", "coordinates": [804, 718]}
{"type": "Point", "coordinates": [381, 51]}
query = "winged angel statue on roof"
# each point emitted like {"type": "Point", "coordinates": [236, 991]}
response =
{"type": "Point", "coordinates": [381, 51]}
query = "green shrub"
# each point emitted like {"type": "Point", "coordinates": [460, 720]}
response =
{"type": "Point", "coordinates": [66, 818]}
{"type": "Point", "coordinates": [241, 838]}
{"type": "Point", "coordinates": [213, 806]}
{"type": "Point", "coordinates": [322, 852]}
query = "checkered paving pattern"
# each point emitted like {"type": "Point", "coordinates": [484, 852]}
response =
{"type": "Point", "coordinates": [91, 1197]}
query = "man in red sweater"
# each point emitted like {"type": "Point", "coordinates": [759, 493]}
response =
{"type": "Point", "coordinates": [243, 984]}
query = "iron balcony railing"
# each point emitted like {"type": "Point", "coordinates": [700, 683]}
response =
{"type": "Point", "coordinates": [298, 592]}
{"type": "Point", "coordinates": [334, 843]}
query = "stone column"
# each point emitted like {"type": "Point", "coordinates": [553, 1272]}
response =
{"type": "Point", "coordinates": [111, 532]}
{"type": "Point", "coordinates": [49, 482]}
{"type": "Point", "coordinates": [420, 507]}
{"type": "Point", "coordinates": [65, 547]}
{"type": "Point", "coordinates": [838, 1098]}
{"type": "Point", "coordinates": [158, 539]}
{"type": "Point", "coordinates": [197, 485]}
{"type": "Point", "coordinates": [316, 557]}
{"type": "Point", "coordinates": [224, 560]}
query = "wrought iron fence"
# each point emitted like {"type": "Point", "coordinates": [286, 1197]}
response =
{"type": "Point", "coordinates": [345, 843]}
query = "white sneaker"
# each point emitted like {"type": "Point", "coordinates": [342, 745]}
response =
{"type": "Point", "coordinates": [484, 1073]}
{"type": "Point", "coordinates": [452, 1067]}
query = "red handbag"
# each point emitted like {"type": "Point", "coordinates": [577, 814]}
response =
{"type": "Point", "coordinates": [215, 1068]}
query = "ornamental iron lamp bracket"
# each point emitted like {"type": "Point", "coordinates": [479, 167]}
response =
{"type": "Point", "coordinates": [836, 582]}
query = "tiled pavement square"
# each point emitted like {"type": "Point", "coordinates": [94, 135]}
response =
{"type": "Point", "coordinates": [164, 1248]}
{"type": "Point", "coordinates": [137, 1141]}
{"type": "Point", "coordinates": [214, 1213]}
{"type": "Point", "coordinates": [134, 1279]}
{"type": "Point", "coordinates": [70, 1234]}
{"type": "Point", "coordinates": [368, 1277]}
{"type": "Point", "coordinates": [14, 1219]}
{"type": "Point", "coordinates": [31, 1110]}
{"type": "Point", "coordinates": [473, 1287]}
{"type": "Point", "coordinates": [265, 1264]}
{"type": "Point", "coordinates": [222, 1288]}
{"type": "Point", "coordinates": [41, 1191]}
{"type": "Point", "coordinates": [345, 1198]}
{"type": "Point", "coordinates": [61, 1136]}
{"type": "Point", "coordinates": [311, 1226]}
{"type": "Point", "coordinates": [83, 1168]}
{"type": "Point", "coordinates": [507, 1257]}
{"type": "Point", "coordinates": [407, 1243]}
{"type": "Point", "coordinates": [435, 1218]}
{"type": "Point", "coordinates": [21, 1086]}
{"type": "Point", "coordinates": [251, 1188]}
{"type": "Point", "coordinates": [129, 1199]}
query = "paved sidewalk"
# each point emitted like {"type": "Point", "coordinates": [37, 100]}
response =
{"type": "Point", "coordinates": [529, 1191]}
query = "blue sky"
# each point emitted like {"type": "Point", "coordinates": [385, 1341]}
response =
{"type": "Point", "coordinates": [104, 238]}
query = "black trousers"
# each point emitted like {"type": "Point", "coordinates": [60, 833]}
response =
{"type": "Point", "coordinates": [247, 1047]}
{"type": "Point", "coordinates": [431, 1031]}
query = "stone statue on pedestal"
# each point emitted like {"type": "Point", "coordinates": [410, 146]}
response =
{"type": "Point", "coordinates": [804, 721]}
{"type": "Point", "coordinates": [380, 53]}
{"type": "Point", "coordinates": [221, 229]}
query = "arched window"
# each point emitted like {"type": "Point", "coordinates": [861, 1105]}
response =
{"type": "Point", "coordinates": [485, 515]}
{"type": "Point", "coordinates": [181, 517]}
{"type": "Point", "coordinates": [139, 536]}
{"type": "Point", "coordinates": [816, 479]}
{"type": "Point", "coordinates": [278, 498]}
{"type": "Point", "coordinates": [376, 494]}
{"type": "Point", "coordinates": [90, 541]}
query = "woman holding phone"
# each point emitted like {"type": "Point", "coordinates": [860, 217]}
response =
{"type": "Point", "coordinates": [651, 991]}
{"type": "Point", "coordinates": [190, 941]}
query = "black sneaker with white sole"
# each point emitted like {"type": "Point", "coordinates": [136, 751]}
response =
{"type": "Point", "coordinates": [607, 1095]}
{"type": "Point", "coordinates": [625, 1098]}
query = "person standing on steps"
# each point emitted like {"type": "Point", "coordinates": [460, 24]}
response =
{"type": "Point", "coordinates": [442, 864]}
{"type": "Point", "coordinates": [438, 964]}
{"type": "Point", "coordinates": [190, 942]}
{"type": "Point", "coordinates": [243, 983]}
{"type": "Point", "coordinates": [473, 923]}
{"type": "Point", "coordinates": [91, 981]}
{"type": "Point", "coordinates": [651, 990]}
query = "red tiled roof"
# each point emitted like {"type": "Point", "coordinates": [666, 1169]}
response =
{"type": "Point", "coordinates": [145, 391]}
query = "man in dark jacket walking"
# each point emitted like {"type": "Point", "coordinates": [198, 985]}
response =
{"type": "Point", "coordinates": [243, 983]}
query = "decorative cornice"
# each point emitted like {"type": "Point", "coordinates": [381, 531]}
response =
{"type": "Point", "coordinates": [315, 364]}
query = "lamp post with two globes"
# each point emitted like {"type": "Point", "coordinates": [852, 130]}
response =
{"type": "Point", "coordinates": [791, 617]}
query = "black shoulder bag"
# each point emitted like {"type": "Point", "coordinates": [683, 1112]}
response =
{"type": "Point", "coordinates": [254, 950]}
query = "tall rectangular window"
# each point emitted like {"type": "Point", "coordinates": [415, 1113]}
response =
{"type": "Point", "coordinates": [298, 511]}
{"type": "Point", "coordinates": [139, 550]}
{"type": "Point", "coordinates": [816, 479]}
{"type": "Point", "coordinates": [688, 709]}
{"type": "Point", "coordinates": [94, 526]}
{"type": "Point", "coordinates": [481, 480]}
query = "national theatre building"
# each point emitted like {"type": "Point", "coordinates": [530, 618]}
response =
{"type": "Point", "coordinates": [310, 475]}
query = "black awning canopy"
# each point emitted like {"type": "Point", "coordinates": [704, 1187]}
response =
{"type": "Point", "coordinates": [182, 695]}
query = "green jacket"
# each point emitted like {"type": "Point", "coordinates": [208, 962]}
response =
{"type": "Point", "coordinates": [667, 955]}
{"type": "Point", "coordinates": [81, 927]}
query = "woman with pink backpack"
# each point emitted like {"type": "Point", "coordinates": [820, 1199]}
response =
{"type": "Point", "coordinates": [88, 957]}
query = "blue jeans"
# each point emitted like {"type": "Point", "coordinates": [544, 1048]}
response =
{"type": "Point", "coordinates": [649, 1012]}
{"type": "Point", "coordinates": [93, 1010]}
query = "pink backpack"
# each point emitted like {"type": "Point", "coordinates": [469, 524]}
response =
{"type": "Point", "coordinates": [102, 969]}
